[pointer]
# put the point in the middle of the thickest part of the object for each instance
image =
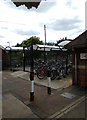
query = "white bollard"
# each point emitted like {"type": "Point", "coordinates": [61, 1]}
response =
{"type": "Point", "coordinates": [49, 81]}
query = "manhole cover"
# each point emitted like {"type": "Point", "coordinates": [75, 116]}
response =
{"type": "Point", "coordinates": [68, 95]}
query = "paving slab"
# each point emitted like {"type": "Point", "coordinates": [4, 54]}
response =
{"type": "Point", "coordinates": [18, 73]}
{"type": "Point", "coordinates": [55, 84]}
{"type": "Point", "coordinates": [14, 108]}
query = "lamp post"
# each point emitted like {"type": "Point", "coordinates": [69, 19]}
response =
{"type": "Point", "coordinates": [45, 33]}
{"type": "Point", "coordinates": [45, 43]}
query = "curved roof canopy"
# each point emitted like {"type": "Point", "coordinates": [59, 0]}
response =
{"type": "Point", "coordinates": [36, 47]}
{"type": "Point", "coordinates": [63, 43]}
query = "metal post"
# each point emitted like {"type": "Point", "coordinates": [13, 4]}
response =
{"type": "Point", "coordinates": [45, 33]}
{"type": "Point", "coordinates": [45, 43]}
{"type": "Point", "coordinates": [31, 74]}
{"type": "Point", "coordinates": [49, 82]}
{"type": "Point", "coordinates": [76, 68]}
{"type": "Point", "coordinates": [24, 59]}
{"type": "Point", "coordinates": [66, 63]}
{"type": "Point", "coordinates": [10, 59]}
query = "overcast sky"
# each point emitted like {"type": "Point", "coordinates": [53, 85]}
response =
{"type": "Point", "coordinates": [63, 18]}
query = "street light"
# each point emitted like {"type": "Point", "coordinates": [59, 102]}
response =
{"type": "Point", "coordinates": [44, 43]}
{"type": "Point", "coordinates": [45, 33]}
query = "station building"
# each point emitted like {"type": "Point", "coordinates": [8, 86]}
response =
{"type": "Point", "coordinates": [79, 59]}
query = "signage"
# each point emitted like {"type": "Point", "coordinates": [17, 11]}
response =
{"type": "Point", "coordinates": [83, 56]}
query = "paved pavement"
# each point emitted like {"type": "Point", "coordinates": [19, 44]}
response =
{"type": "Point", "coordinates": [16, 94]}
{"type": "Point", "coordinates": [55, 84]}
{"type": "Point", "coordinates": [14, 108]}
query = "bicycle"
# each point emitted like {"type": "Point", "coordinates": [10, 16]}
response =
{"type": "Point", "coordinates": [42, 71]}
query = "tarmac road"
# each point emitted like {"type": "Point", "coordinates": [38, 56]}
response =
{"type": "Point", "coordinates": [80, 111]}
{"type": "Point", "coordinates": [44, 105]}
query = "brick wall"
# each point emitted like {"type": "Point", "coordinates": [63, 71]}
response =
{"type": "Point", "coordinates": [81, 68]}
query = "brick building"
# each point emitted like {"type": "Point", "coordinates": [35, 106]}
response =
{"type": "Point", "coordinates": [79, 59]}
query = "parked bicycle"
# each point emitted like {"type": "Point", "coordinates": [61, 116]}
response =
{"type": "Point", "coordinates": [57, 69]}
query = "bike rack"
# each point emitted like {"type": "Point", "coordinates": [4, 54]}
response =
{"type": "Point", "coordinates": [31, 48]}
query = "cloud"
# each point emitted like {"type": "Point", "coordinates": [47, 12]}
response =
{"type": "Point", "coordinates": [1, 36]}
{"type": "Point", "coordinates": [19, 23]}
{"type": "Point", "coordinates": [69, 3]}
{"type": "Point", "coordinates": [3, 28]}
{"type": "Point", "coordinates": [64, 24]}
{"type": "Point", "coordinates": [44, 7]}
{"type": "Point", "coordinates": [27, 32]}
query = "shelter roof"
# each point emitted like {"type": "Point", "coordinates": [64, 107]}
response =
{"type": "Point", "coordinates": [14, 48]}
{"type": "Point", "coordinates": [63, 43]}
{"type": "Point", "coordinates": [47, 47]}
{"type": "Point", "coordinates": [36, 47]}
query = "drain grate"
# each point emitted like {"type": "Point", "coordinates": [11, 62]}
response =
{"type": "Point", "coordinates": [68, 95]}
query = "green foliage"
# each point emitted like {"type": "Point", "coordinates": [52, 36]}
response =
{"type": "Point", "coordinates": [37, 54]}
{"type": "Point", "coordinates": [18, 45]}
{"type": "Point", "coordinates": [50, 43]}
{"type": "Point", "coordinates": [33, 40]}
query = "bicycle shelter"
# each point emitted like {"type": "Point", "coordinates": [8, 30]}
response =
{"type": "Point", "coordinates": [44, 48]}
{"type": "Point", "coordinates": [31, 49]}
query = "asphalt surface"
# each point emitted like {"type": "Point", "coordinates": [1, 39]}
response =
{"type": "Point", "coordinates": [80, 110]}
{"type": "Point", "coordinates": [44, 105]}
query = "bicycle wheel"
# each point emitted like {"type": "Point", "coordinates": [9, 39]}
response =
{"type": "Point", "coordinates": [53, 74]}
{"type": "Point", "coordinates": [40, 73]}
{"type": "Point", "coordinates": [69, 70]}
{"type": "Point", "coordinates": [62, 73]}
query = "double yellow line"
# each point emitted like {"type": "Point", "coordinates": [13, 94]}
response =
{"type": "Point", "coordinates": [68, 108]}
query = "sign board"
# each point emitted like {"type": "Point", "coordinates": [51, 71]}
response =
{"type": "Point", "coordinates": [83, 56]}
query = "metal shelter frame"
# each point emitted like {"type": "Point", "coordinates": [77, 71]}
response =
{"type": "Point", "coordinates": [43, 48]}
{"type": "Point", "coordinates": [33, 48]}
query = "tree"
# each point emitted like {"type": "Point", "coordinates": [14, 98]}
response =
{"type": "Point", "coordinates": [50, 43]}
{"type": "Point", "coordinates": [33, 40]}
{"type": "Point", "coordinates": [37, 54]}
{"type": "Point", "coordinates": [18, 45]}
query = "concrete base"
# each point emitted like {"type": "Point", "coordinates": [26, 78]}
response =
{"type": "Point", "coordinates": [55, 84]}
